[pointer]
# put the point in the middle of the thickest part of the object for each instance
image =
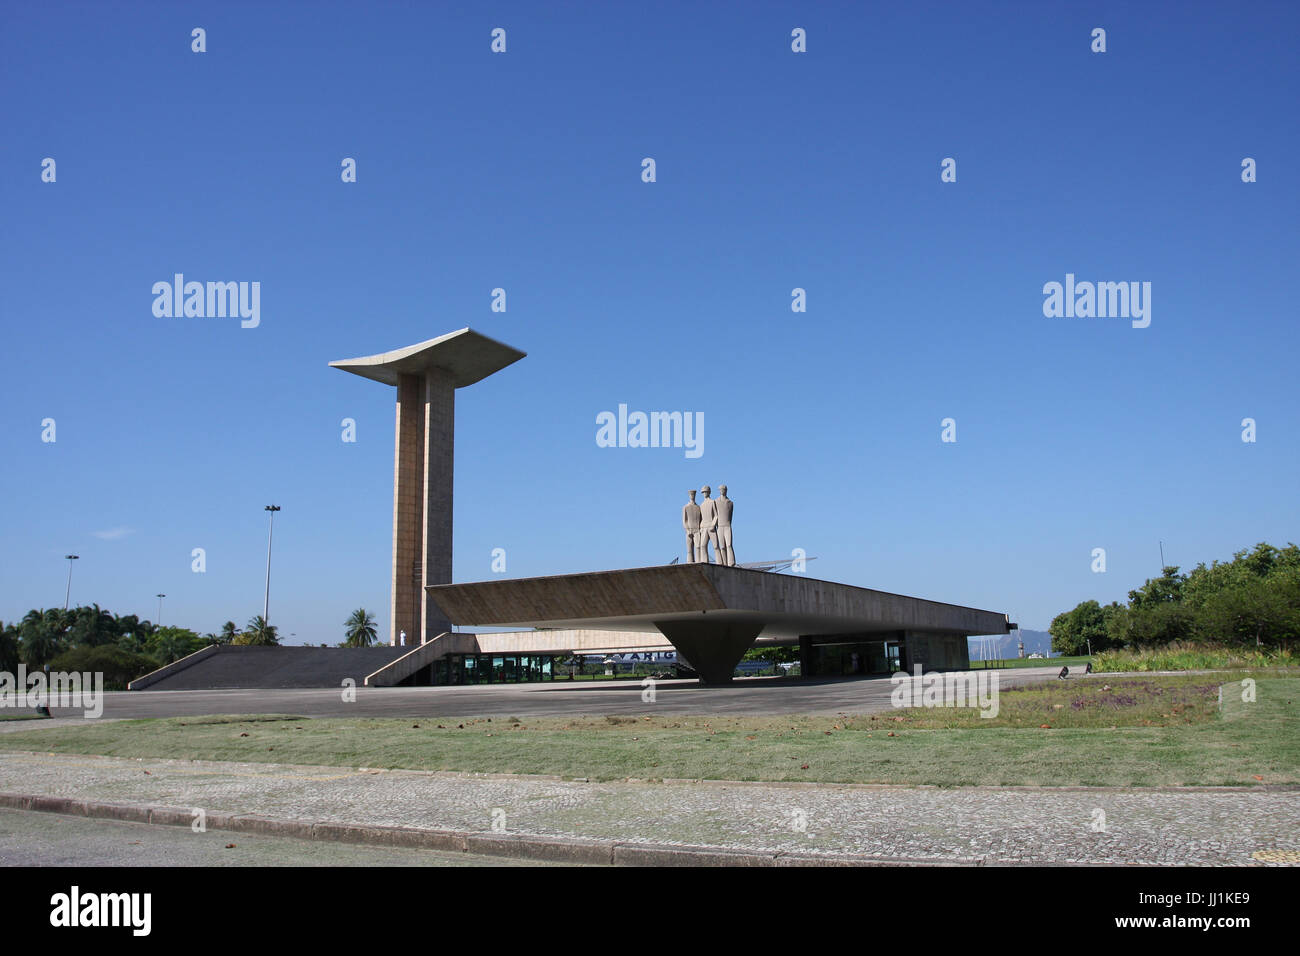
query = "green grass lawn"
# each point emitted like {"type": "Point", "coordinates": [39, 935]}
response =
{"type": "Point", "coordinates": [1072, 662]}
{"type": "Point", "coordinates": [1102, 731]}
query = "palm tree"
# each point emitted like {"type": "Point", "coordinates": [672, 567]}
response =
{"type": "Point", "coordinates": [361, 629]}
{"type": "Point", "coordinates": [229, 631]}
{"type": "Point", "coordinates": [9, 647]}
{"type": "Point", "coordinates": [131, 641]}
{"type": "Point", "coordinates": [92, 626]}
{"type": "Point", "coordinates": [43, 635]}
{"type": "Point", "coordinates": [259, 633]}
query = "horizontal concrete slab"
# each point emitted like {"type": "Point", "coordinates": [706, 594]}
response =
{"type": "Point", "coordinates": [468, 355]}
{"type": "Point", "coordinates": [786, 605]}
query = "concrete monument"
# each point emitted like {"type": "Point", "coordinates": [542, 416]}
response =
{"type": "Point", "coordinates": [725, 506]}
{"type": "Point", "coordinates": [691, 525]}
{"type": "Point", "coordinates": [426, 376]}
{"type": "Point", "coordinates": [708, 527]}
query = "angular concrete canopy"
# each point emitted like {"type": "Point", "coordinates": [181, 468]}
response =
{"type": "Point", "coordinates": [786, 605]}
{"type": "Point", "coordinates": [708, 611]}
{"type": "Point", "coordinates": [467, 355]}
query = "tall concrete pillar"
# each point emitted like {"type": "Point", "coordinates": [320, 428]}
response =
{"type": "Point", "coordinates": [426, 376]}
{"type": "Point", "coordinates": [439, 465]}
{"type": "Point", "coordinates": [408, 509]}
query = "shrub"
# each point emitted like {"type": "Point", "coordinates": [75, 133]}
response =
{"type": "Point", "coordinates": [119, 667]}
{"type": "Point", "coordinates": [1184, 656]}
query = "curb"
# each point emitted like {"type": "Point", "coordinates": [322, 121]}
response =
{"type": "Point", "coordinates": [711, 781]}
{"type": "Point", "coordinates": [575, 851]}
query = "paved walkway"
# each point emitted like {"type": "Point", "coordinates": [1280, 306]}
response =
{"type": "Point", "coordinates": [538, 816]}
{"type": "Point", "coordinates": [56, 839]}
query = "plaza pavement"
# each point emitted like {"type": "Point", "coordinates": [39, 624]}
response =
{"type": "Point", "coordinates": [54, 839]}
{"type": "Point", "coordinates": [674, 822]}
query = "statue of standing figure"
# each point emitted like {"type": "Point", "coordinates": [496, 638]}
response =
{"type": "Point", "coordinates": [725, 506]}
{"type": "Point", "coordinates": [709, 523]}
{"type": "Point", "coordinates": [708, 528]}
{"type": "Point", "coordinates": [691, 525]}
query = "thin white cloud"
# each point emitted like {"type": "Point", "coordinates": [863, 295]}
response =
{"type": "Point", "coordinates": [113, 534]}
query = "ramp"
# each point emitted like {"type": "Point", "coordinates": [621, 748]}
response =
{"type": "Point", "coordinates": [228, 667]}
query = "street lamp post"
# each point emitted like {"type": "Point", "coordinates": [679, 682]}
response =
{"type": "Point", "coordinates": [68, 594]}
{"type": "Point", "coordinates": [266, 605]}
{"type": "Point", "coordinates": [160, 597]}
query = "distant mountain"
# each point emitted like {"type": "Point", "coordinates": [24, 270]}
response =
{"type": "Point", "coordinates": [1004, 646]}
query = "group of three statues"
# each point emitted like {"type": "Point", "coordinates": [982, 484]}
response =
{"type": "Point", "coordinates": [708, 522]}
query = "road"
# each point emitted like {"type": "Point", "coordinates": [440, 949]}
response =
{"type": "Point", "coordinates": [752, 696]}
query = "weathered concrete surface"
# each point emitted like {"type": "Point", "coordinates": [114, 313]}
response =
{"type": "Point", "coordinates": [396, 671]}
{"type": "Point", "coordinates": [468, 355]}
{"type": "Point", "coordinates": [711, 647]}
{"type": "Point", "coordinates": [708, 605]}
{"type": "Point", "coordinates": [602, 600]}
{"type": "Point", "coordinates": [787, 605]}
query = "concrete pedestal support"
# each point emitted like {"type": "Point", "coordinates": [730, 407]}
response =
{"type": "Point", "coordinates": [712, 649]}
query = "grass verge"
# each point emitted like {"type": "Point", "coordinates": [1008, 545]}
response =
{"type": "Point", "coordinates": [1015, 662]}
{"type": "Point", "coordinates": [1153, 732]}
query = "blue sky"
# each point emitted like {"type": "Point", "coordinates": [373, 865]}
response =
{"type": "Point", "coordinates": [522, 170]}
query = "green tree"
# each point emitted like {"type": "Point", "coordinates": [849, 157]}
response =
{"type": "Point", "coordinates": [9, 642]}
{"type": "Point", "coordinates": [1166, 589]}
{"type": "Point", "coordinates": [169, 644]}
{"type": "Point", "coordinates": [42, 635]}
{"type": "Point", "coordinates": [117, 665]}
{"type": "Point", "coordinates": [92, 626]}
{"type": "Point", "coordinates": [1075, 631]}
{"type": "Point", "coordinates": [360, 629]}
{"type": "Point", "coordinates": [1152, 625]}
{"type": "Point", "coordinates": [258, 634]}
{"type": "Point", "coordinates": [1252, 599]}
{"type": "Point", "coordinates": [776, 653]}
{"type": "Point", "coordinates": [1256, 610]}
{"type": "Point", "coordinates": [129, 636]}
{"type": "Point", "coordinates": [1115, 616]}
{"type": "Point", "coordinates": [229, 631]}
